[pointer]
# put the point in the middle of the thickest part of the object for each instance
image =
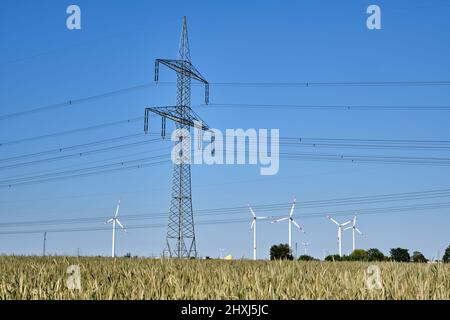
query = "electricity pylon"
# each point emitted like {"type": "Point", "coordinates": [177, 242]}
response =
{"type": "Point", "coordinates": [180, 232]}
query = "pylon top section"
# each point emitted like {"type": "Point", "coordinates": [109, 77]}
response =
{"type": "Point", "coordinates": [183, 65]}
{"type": "Point", "coordinates": [184, 53]}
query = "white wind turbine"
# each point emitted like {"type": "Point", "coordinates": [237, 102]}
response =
{"type": "Point", "coordinates": [305, 246]}
{"type": "Point", "coordinates": [353, 226]}
{"type": "Point", "coordinates": [340, 225]}
{"type": "Point", "coordinates": [291, 221]}
{"type": "Point", "coordinates": [253, 226]}
{"type": "Point", "coordinates": [115, 220]}
{"type": "Point", "coordinates": [221, 250]}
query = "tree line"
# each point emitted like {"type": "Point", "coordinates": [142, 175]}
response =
{"type": "Point", "coordinates": [283, 252]}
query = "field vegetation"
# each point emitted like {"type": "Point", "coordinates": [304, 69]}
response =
{"type": "Point", "coordinates": [139, 278]}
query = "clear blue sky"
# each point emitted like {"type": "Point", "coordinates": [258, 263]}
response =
{"type": "Point", "coordinates": [41, 63]}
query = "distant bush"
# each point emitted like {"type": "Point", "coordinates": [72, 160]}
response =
{"type": "Point", "coordinates": [306, 258]}
{"type": "Point", "coordinates": [358, 255]}
{"type": "Point", "coordinates": [281, 252]}
{"type": "Point", "coordinates": [419, 257]}
{"type": "Point", "coordinates": [333, 257]}
{"type": "Point", "coordinates": [400, 255]}
{"type": "Point", "coordinates": [446, 257]}
{"type": "Point", "coordinates": [374, 254]}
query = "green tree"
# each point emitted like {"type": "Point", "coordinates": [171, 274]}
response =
{"type": "Point", "coordinates": [281, 252]}
{"type": "Point", "coordinates": [374, 254]}
{"type": "Point", "coordinates": [333, 257]}
{"type": "Point", "coordinates": [418, 257]}
{"type": "Point", "coordinates": [306, 258]}
{"type": "Point", "coordinates": [400, 255]}
{"type": "Point", "coordinates": [358, 255]}
{"type": "Point", "coordinates": [446, 257]}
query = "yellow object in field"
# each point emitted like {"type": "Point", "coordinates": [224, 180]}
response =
{"type": "Point", "coordinates": [229, 257]}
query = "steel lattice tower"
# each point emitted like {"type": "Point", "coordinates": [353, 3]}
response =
{"type": "Point", "coordinates": [181, 232]}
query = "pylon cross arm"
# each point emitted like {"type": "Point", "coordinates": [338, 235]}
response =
{"type": "Point", "coordinates": [186, 68]}
{"type": "Point", "coordinates": [180, 66]}
{"type": "Point", "coordinates": [190, 118]}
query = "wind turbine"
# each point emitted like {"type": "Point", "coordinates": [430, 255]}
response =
{"type": "Point", "coordinates": [253, 226]}
{"type": "Point", "coordinates": [220, 252]}
{"type": "Point", "coordinates": [305, 245]}
{"type": "Point", "coordinates": [353, 226]}
{"type": "Point", "coordinates": [339, 238]}
{"type": "Point", "coordinates": [291, 221]}
{"type": "Point", "coordinates": [115, 220]}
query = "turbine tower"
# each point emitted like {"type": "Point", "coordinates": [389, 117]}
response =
{"type": "Point", "coordinates": [253, 226]}
{"type": "Point", "coordinates": [45, 242]}
{"type": "Point", "coordinates": [353, 226]}
{"type": "Point", "coordinates": [180, 239]}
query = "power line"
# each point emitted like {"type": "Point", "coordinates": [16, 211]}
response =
{"type": "Point", "coordinates": [311, 204]}
{"type": "Point", "coordinates": [335, 84]}
{"type": "Point", "coordinates": [361, 211]}
{"type": "Point", "coordinates": [137, 119]}
{"type": "Point", "coordinates": [367, 143]}
{"type": "Point", "coordinates": [288, 141]}
{"type": "Point", "coordinates": [74, 147]}
{"type": "Point", "coordinates": [137, 164]}
{"type": "Point", "coordinates": [73, 102]}
{"type": "Point", "coordinates": [125, 90]}
{"type": "Point", "coordinates": [364, 146]}
{"type": "Point", "coordinates": [81, 154]}
{"type": "Point", "coordinates": [447, 142]}
{"type": "Point", "coordinates": [430, 161]}
{"type": "Point", "coordinates": [68, 132]}
{"type": "Point", "coordinates": [121, 157]}
{"type": "Point", "coordinates": [328, 107]}
{"type": "Point", "coordinates": [107, 168]}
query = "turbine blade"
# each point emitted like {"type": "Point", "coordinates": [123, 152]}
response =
{"type": "Point", "coordinates": [109, 221]}
{"type": "Point", "coordinates": [357, 230]}
{"type": "Point", "coordinates": [263, 218]}
{"type": "Point", "coordinates": [123, 228]}
{"type": "Point", "coordinates": [117, 209]}
{"type": "Point", "coordinates": [251, 210]}
{"type": "Point", "coordinates": [298, 226]}
{"type": "Point", "coordinates": [252, 225]}
{"type": "Point", "coordinates": [329, 217]}
{"type": "Point", "coordinates": [292, 208]}
{"type": "Point", "coordinates": [354, 221]}
{"type": "Point", "coordinates": [348, 228]}
{"type": "Point", "coordinates": [278, 220]}
{"type": "Point", "coordinates": [346, 223]}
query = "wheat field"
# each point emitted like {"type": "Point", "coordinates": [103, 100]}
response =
{"type": "Point", "coordinates": [139, 278]}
